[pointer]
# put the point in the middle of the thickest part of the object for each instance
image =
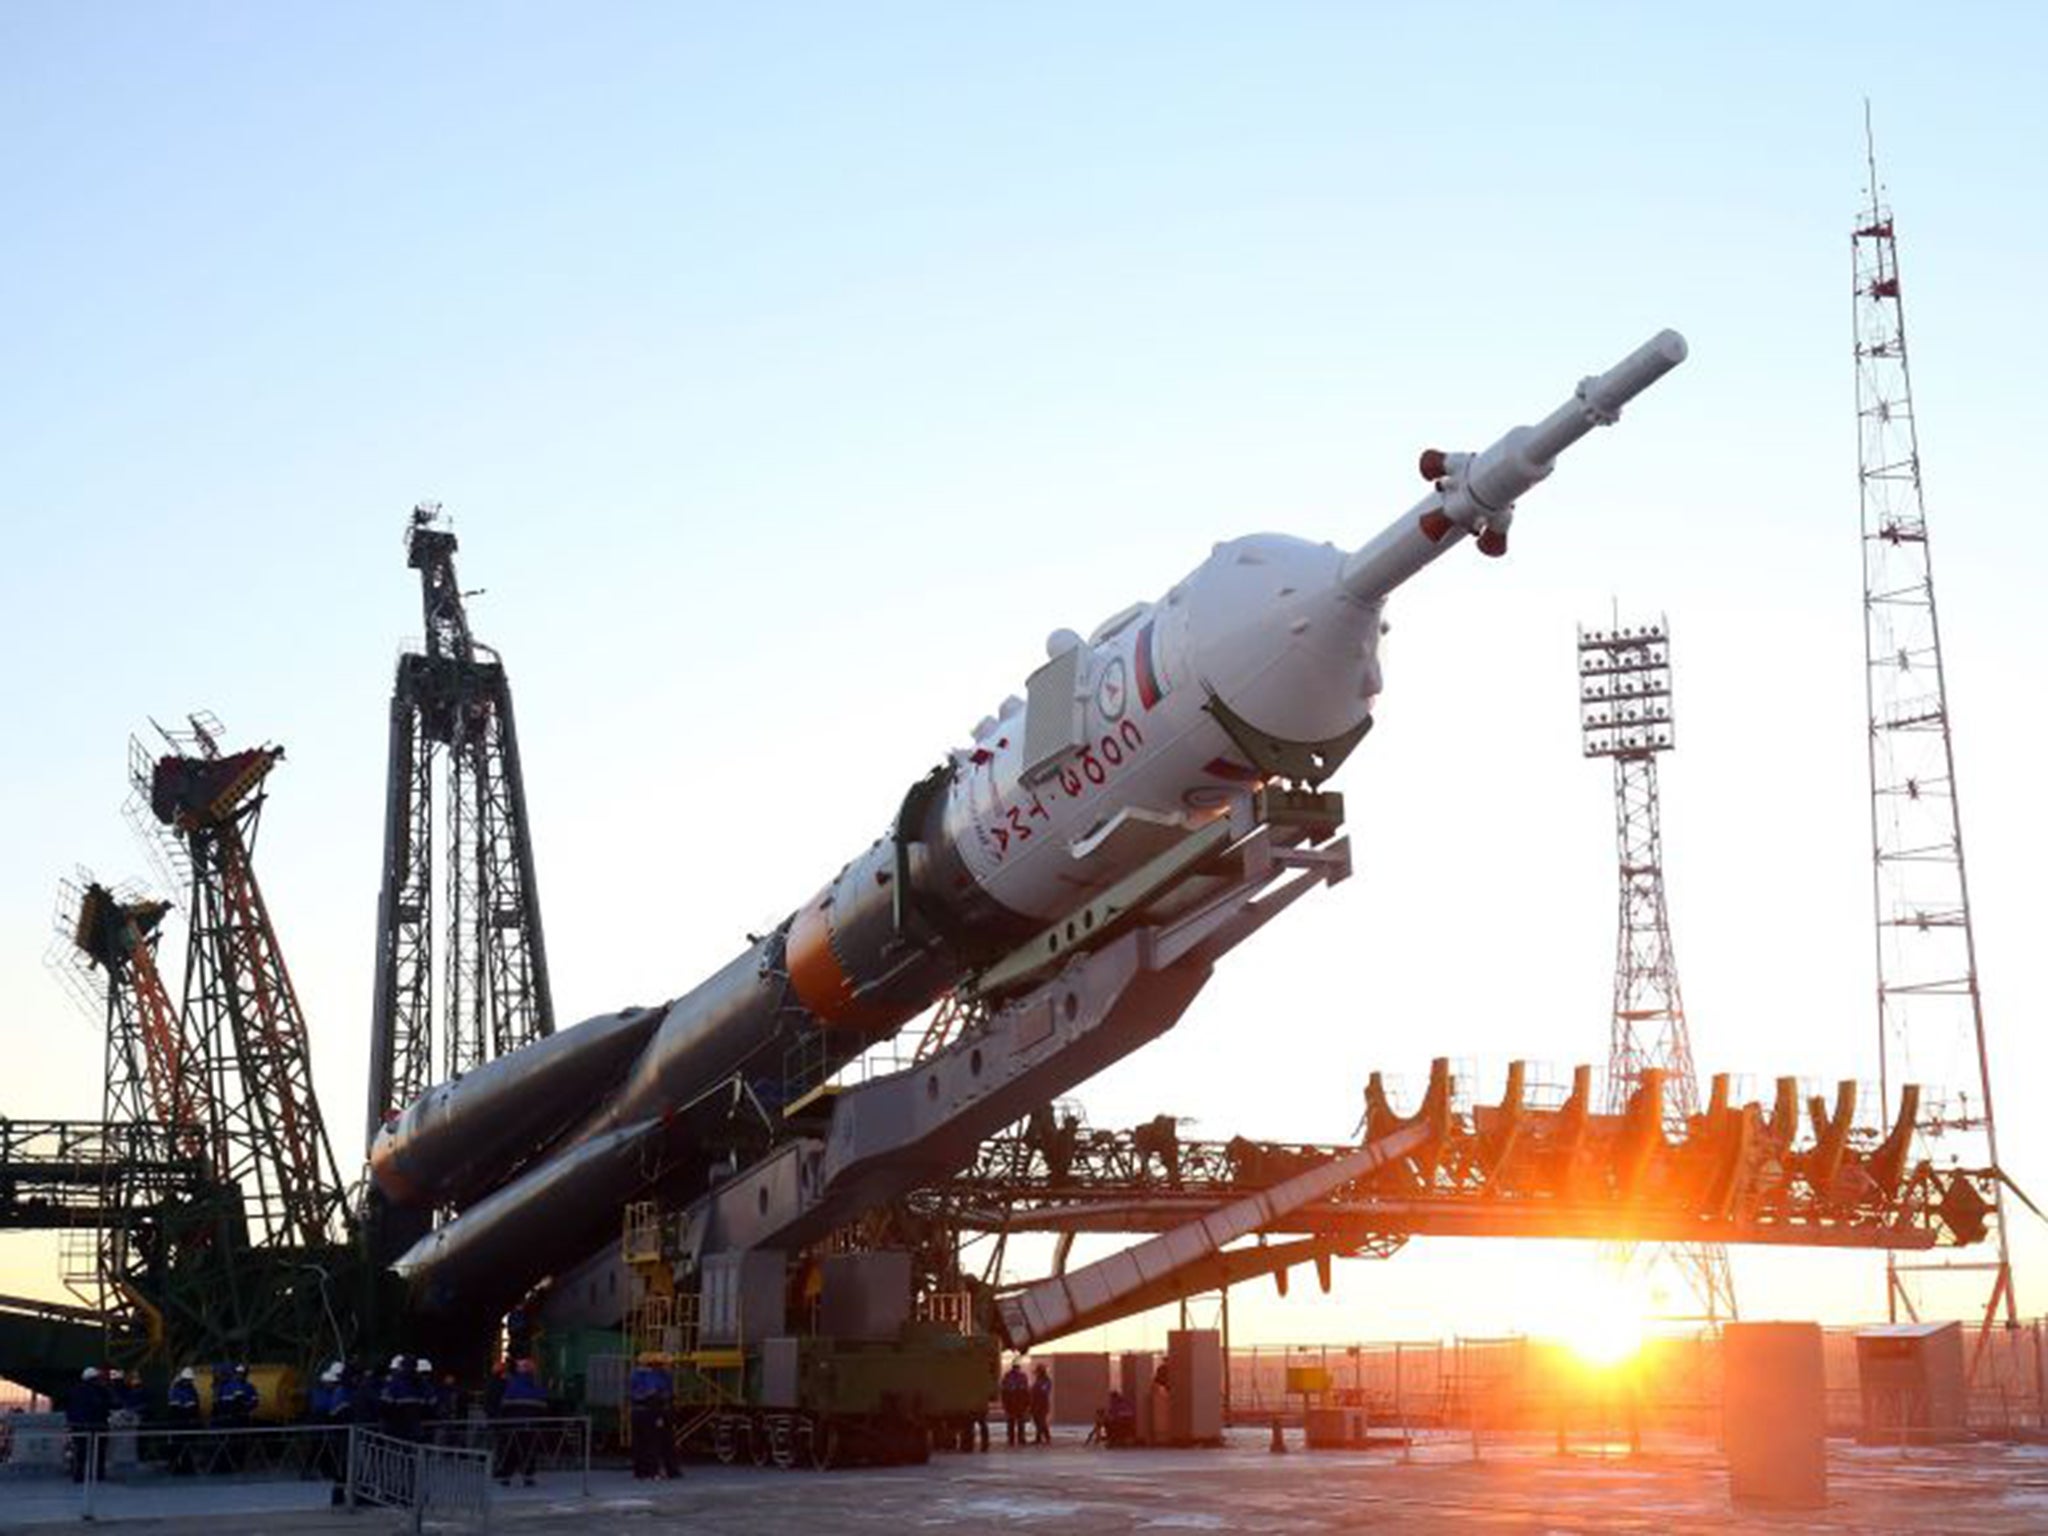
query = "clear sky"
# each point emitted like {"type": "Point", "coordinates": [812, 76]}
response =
{"type": "Point", "coordinates": [792, 371]}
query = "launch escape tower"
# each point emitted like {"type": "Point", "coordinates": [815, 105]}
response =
{"type": "Point", "coordinates": [241, 1014]}
{"type": "Point", "coordinates": [1930, 1015]}
{"type": "Point", "coordinates": [451, 701]}
{"type": "Point", "coordinates": [1625, 715]}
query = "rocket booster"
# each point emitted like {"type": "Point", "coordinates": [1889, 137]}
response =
{"type": "Point", "coordinates": [1123, 742]}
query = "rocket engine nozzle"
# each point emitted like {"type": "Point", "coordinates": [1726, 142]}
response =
{"type": "Point", "coordinates": [1475, 493]}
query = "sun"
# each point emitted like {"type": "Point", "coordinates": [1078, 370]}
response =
{"type": "Point", "coordinates": [1604, 1340]}
{"type": "Point", "coordinates": [1601, 1318]}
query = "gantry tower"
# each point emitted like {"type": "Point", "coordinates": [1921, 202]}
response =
{"type": "Point", "coordinates": [451, 704]}
{"type": "Point", "coordinates": [1930, 1013]}
{"type": "Point", "coordinates": [241, 1014]}
{"type": "Point", "coordinates": [1625, 715]}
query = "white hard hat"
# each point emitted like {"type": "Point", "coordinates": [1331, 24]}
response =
{"type": "Point", "coordinates": [331, 1375]}
{"type": "Point", "coordinates": [91, 1373]}
{"type": "Point", "coordinates": [423, 1364]}
{"type": "Point", "coordinates": [185, 1374]}
{"type": "Point", "coordinates": [398, 1362]}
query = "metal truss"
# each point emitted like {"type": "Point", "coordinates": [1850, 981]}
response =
{"type": "Point", "coordinates": [1930, 1013]}
{"type": "Point", "coordinates": [241, 1012]}
{"type": "Point", "coordinates": [1625, 714]}
{"type": "Point", "coordinates": [451, 704]}
{"type": "Point", "coordinates": [1800, 1172]}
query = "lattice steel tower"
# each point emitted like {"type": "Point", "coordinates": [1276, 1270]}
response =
{"type": "Point", "coordinates": [1930, 1015]}
{"type": "Point", "coordinates": [452, 702]}
{"type": "Point", "coordinates": [1625, 715]}
{"type": "Point", "coordinates": [241, 1016]}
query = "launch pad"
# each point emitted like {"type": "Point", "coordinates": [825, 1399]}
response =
{"type": "Point", "coordinates": [735, 1188]}
{"type": "Point", "coordinates": [1677, 1484]}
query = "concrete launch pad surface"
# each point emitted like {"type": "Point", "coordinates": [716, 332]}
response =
{"type": "Point", "coordinates": [1518, 1485]}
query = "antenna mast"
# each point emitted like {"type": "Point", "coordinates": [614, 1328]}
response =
{"type": "Point", "coordinates": [1930, 1014]}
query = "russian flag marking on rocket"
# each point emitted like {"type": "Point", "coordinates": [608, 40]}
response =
{"type": "Point", "coordinates": [1149, 691]}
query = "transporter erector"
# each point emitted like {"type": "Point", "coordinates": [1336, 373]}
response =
{"type": "Point", "coordinates": [1259, 667]}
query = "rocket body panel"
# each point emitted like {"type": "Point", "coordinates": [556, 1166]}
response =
{"type": "Point", "coordinates": [724, 1025]}
{"type": "Point", "coordinates": [461, 1136]}
{"type": "Point", "coordinates": [1261, 624]}
{"type": "Point", "coordinates": [554, 1212]}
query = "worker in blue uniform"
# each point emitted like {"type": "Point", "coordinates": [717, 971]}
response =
{"type": "Point", "coordinates": [85, 1414]}
{"type": "Point", "coordinates": [524, 1400]}
{"type": "Point", "coordinates": [182, 1401]}
{"type": "Point", "coordinates": [652, 1393]}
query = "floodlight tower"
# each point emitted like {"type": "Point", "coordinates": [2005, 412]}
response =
{"type": "Point", "coordinates": [451, 702]}
{"type": "Point", "coordinates": [1625, 715]}
{"type": "Point", "coordinates": [1930, 1014]}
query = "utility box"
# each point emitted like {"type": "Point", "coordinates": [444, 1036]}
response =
{"type": "Point", "coordinates": [1336, 1429]}
{"type": "Point", "coordinates": [1194, 1375]}
{"type": "Point", "coordinates": [741, 1296]}
{"type": "Point", "coordinates": [1080, 1387]}
{"type": "Point", "coordinates": [1913, 1382]}
{"type": "Point", "coordinates": [1774, 1414]}
{"type": "Point", "coordinates": [865, 1295]}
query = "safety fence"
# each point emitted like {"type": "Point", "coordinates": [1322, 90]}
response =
{"type": "Point", "coordinates": [524, 1448]}
{"type": "Point", "coordinates": [1671, 1383]}
{"type": "Point", "coordinates": [445, 1473]}
{"type": "Point", "coordinates": [451, 1484]}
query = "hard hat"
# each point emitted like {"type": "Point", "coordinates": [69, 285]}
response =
{"type": "Point", "coordinates": [187, 1374]}
{"type": "Point", "coordinates": [423, 1365]}
{"type": "Point", "coordinates": [91, 1373]}
{"type": "Point", "coordinates": [331, 1375]}
{"type": "Point", "coordinates": [398, 1362]}
{"type": "Point", "coordinates": [240, 1369]}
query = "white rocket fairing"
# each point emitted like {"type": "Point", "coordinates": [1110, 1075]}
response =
{"type": "Point", "coordinates": [1261, 662]}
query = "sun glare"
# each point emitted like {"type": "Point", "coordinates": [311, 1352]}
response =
{"type": "Point", "coordinates": [1602, 1323]}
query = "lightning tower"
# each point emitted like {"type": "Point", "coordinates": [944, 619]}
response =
{"type": "Point", "coordinates": [1930, 1014]}
{"type": "Point", "coordinates": [451, 703]}
{"type": "Point", "coordinates": [1625, 715]}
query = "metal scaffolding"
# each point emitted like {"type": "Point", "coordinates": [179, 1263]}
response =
{"type": "Point", "coordinates": [1625, 715]}
{"type": "Point", "coordinates": [451, 701]}
{"type": "Point", "coordinates": [1930, 1014]}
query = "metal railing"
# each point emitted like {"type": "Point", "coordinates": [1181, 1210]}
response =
{"type": "Point", "coordinates": [445, 1474]}
{"type": "Point", "coordinates": [451, 1483]}
{"type": "Point", "coordinates": [519, 1446]}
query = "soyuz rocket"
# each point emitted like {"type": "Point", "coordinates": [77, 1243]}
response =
{"type": "Point", "coordinates": [1125, 739]}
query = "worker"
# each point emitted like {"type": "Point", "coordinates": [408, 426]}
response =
{"type": "Point", "coordinates": [428, 1395]}
{"type": "Point", "coordinates": [1041, 1405]}
{"type": "Point", "coordinates": [1016, 1395]}
{"type": "Point", "coordinates": [524, 1400]}
{"type": "Point", "coordinates": [329, 1410]}
{"type": "Point", "coordinates": [652, 1393]}
{"type": "Point", "coordinates": [401, 1408]}
{"type": "Point", "coordinates": [234, 1405]}
{"type": "Point", "coordinates": [85, 1414]}
{"type": "Point", "coordinates": [447, 1399]}
{"type": "Point", "coordinates": [1162, 1405]}
{"type": "Point", "coordinates": [1121, 1428]}
{"type": "Point", "coordinates": [183, 1403]}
